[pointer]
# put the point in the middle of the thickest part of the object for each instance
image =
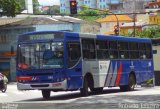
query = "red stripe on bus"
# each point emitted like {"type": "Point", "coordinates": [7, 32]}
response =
{"type": "Point", "coordinates": [119, 75]}
{"type": "Point", "coordinates": [24, 77]}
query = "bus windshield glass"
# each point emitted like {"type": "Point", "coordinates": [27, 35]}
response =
{"type": "Point", "coordinates": [41, 55]}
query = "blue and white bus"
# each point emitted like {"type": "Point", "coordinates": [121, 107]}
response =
{"type": "Point", "coordinates": [67, 61]}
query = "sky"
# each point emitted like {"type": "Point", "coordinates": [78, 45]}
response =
{"type": "Point", "coordinates": [49, 2]}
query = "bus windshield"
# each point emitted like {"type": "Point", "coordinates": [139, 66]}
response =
{"type": "Point", "coordinates": [40, 55]}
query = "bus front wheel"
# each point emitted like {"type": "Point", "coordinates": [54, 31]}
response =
{"type": "Point", "coordinates": [46, 94]}
{"type": "Point", "coordinates": [85, 90]}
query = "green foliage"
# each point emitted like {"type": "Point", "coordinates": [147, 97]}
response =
{"type": "Point", "coordinates": [36, 7]}
{"type": "Point", "coordinates": [10, 7]}
{"type": "Point", "coordinates": [90, 14]}
{"type": "Point", "coordinates": [52, 10]}
{"type": "Point", "coordinates": [22, 4]}
{"type": "Point", "coordinates": [153, 32]}
{"type": "Point", "coordinates": [150, 81]}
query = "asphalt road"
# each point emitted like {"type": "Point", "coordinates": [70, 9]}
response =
{"type": "Point", "coordinates": [144, 98]}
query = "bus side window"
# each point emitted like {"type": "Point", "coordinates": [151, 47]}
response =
{"type": "Point", "coordinates": [74, 53]}
{"type": "Point", "coordinates": [113, 45]}
{"type": "Point", "coordinates": [122, 45]}
{"type": "Point", "coordinates": [113, 52]}
{"type": "Point", "coordinates": [123, 50]}
{"type": "Point", "coordinates": [148, 51]}
{"type": "Point", "coordinates": [133, 50]}
{"type": "Point", "coordinates": [142, 48]}
{"type": "Point", "coordinates": [88, 46]}
{"type": "Point", "coordinates": [102, 49]}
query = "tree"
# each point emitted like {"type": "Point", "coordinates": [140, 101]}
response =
{"type": "Point", "coordinates": [91, 14]}
{"type": "Point", "coordinates": [153, 32]}
{"type": "Point", "coordinates": [36, 7]}
{"type": "Point", "coordinates": [10, 7]}
{"type": "Point", "coordinates": [52, 10]}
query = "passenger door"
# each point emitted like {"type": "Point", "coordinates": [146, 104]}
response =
{"type": "Point", "coordinates": [74, 65]}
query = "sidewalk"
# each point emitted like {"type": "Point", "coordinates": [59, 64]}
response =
{"type": "Point", "coordinates": [12, 83]}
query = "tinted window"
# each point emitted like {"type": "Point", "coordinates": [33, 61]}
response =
{"type": "Point", "coordinates": [88, 48]}
{"type": "Point", "coordinates": [113, 54]}
{"type": "Point", "coordinates": [133, 46]}
{"type": "Point", "coordinates": [100, 44]}
{"type": "Point", "coordinates": [124, 54]}
{"type": "Point", "coordinates": [112, 44]}
{"type": "Point", "coordinates": [134, 54]}
{"type": "Point", "coordinates": [102, 49]}
{"type": "Point", "coordinates": [142, 46]}
{"type": "Point", "coordinates": [123, 45]}
{"type": "Point", "coordinates": [74, 53]}
{"type": "Point", "coordinates": [148, 47]}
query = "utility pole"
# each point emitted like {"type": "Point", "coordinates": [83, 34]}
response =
{"type": "Point", "coordinates": [134, 21]}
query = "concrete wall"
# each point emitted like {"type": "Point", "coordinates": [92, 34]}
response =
{"type": "Point", "coordinates": [90, 28]}
{"type": "Point", "coordinates": [29, 6]}
{"type": "Point", "coordinates": [156, 59]}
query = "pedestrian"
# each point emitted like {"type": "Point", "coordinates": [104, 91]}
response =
{"type": "Point", "coordinates": [3, 78]}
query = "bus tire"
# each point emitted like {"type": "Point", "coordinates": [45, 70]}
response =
{"type": "Point", "coordinates": [46, 94]}
{"type": "Point", "coordinates": [131, 82]}
{"type": "Point", "coordinates": [85, 90]}
{"type": "Point", "coordinates": [4, 88]}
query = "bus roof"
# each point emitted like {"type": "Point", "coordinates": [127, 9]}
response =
{"type": "Point", "coordinates": [98, 36]}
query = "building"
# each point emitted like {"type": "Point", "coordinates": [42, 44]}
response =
{"type": "Point", "coordinates": [100, 4]}
{"type": "Point", "coordinates": [150, 18]}
{"type": "Point", "coordinates": [116, 6]}
{"type": "Point", "coordinates": [153, 10]}
{"type": "Point", "coordinates": [130, 27]}
{"type": "Point", "coordinates": [109, 22]}
{"type": "Point", "coordinates": [64, 6]}
{"type": "Point", "coordinates": [130, 6]}
{"type": "Point", "coordinates": [90, 3]}
{"type": "Point", "coordinates": [28, 7]}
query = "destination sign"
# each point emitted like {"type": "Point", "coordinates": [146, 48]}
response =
{"type": "Point", "coordinates": [42, 36]}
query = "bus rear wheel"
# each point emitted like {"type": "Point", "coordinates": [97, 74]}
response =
{"type": "Point", "coordinates": [46, 94]}
{"type": "Point", "coordinates": [131, 84]}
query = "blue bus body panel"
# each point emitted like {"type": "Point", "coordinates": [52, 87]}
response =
{"type": "Point", "coordinates": [142, 73]}
{"type": "Point", "coordinates": [74, 73]}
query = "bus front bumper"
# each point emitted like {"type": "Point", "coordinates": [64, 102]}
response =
{"type": "Point", "coordinates": [40, 86]}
